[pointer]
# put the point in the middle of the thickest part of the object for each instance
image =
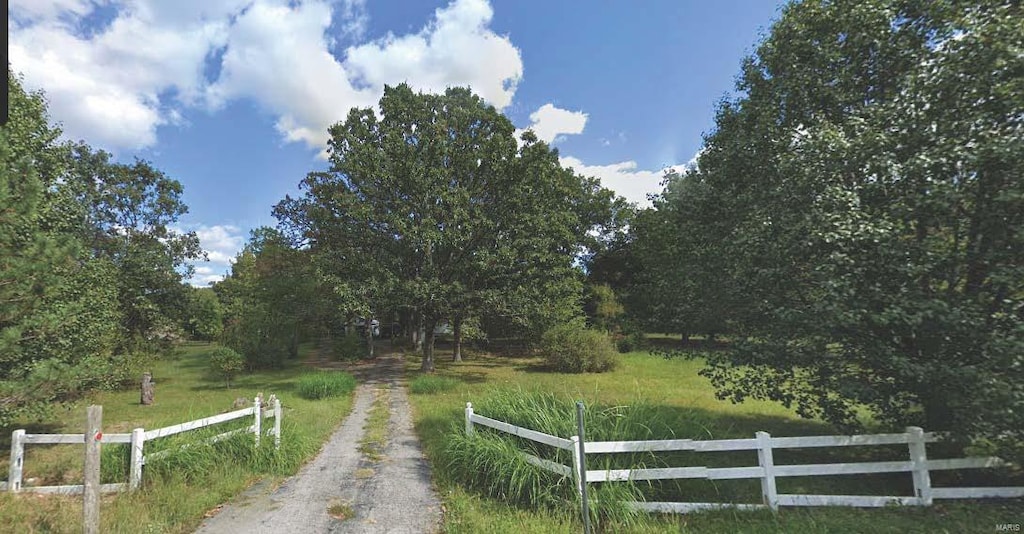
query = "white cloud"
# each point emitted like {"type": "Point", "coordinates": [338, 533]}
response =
{"type": "Point", "coordinates": [455, 49]}
{"type": "Point", "coordinates": [279, 56]}
{"type": "Point", "coordinates": [45, 9]}
{"type": "Point", "coordinates": [221, 242]}
{"type": "Point", "coordinates": [624, 178]}
{"type": "Point", "coordinates": [116, 86]}
{"type": "Point", "coordinates": [112, 87]}
{"type": "Point", "coordinates": [551, 124]}
{"type": "Point", "coordinates": [204, 276]}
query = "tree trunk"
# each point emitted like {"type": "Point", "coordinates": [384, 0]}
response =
{"type": "Point", "coordinates": [457, 339]}
{"type": "Point", "coordinates": [417, 328]}
{"type": "Point", "coordinates": [369, 338]}
{"type": "Point", "coordinates": [403, 325]}
{"type": "Point", "coordinates": [428, 346]}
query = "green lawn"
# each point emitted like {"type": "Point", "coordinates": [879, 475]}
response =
{"type": "Point", "coordinates": [675, 387]}
{"type": "Point", "coordinates": [167, 502]}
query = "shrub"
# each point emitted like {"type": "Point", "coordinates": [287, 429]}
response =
{"type": "Point", "coordinates": [573, 348]}
{"type": "Point", "coordinates": [324, 384]}
{"type": "Point", "coordinates": [427, 384]}
{"type": "Point", "coordinates": [350, 346]}
{"type": "Point", "coordinates": [226, 363]}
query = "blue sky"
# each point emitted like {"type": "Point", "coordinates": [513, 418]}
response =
{"type": "Point", "coordinates": [233, 97]}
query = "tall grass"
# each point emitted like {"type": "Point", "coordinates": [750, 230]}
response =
{"type": "Point", "coordinates": [325, 384]}
{"type": "Point", "coordinates": [191, 457]}
{"type": "Point", "coordinates": [493, 462]}
{"type": "Point", "coordinates": [428, 384]}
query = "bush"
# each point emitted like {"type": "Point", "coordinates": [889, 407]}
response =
{"type": "Point", "coordinates": [226, 364]}
{"type": "Point", "coordinates": [629, 342]}
{"type": "Point", "coordinates": [573, 348]}
{"type": "Point", "coordinates": [427, 384]}
{"type": "Point", "coordinates": [324, 384]}
{"type": "Point", "coordinates": [350, 346]}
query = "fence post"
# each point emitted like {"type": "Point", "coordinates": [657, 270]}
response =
{"type": "Point", "coordinates": [767, 462]}
{"type": "Point", "coordinates": [277, 423]}
{"type": "Point", "coordinates": [576, 465]}
{"type": "Point", "coordinates": [91, 500]}
{"type": "Point", "coordinates": [469, 418]}
{"type": "Point", "coordinates": [17, 461]}
{"type": "Point", "coordinates": [583, 466]}
{"type": "Point", "coordinates": [258, 424]}
{"type": "Point", "coordinates": [138, 443]}
{"type": "Point", "coordinates": [919, 464]}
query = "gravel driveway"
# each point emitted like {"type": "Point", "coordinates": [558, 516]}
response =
{"type": "Point", "coordinates": [397, 497]}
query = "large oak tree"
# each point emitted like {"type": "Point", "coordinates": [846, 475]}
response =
{"type": "Point", "coordinates": [431, 206]}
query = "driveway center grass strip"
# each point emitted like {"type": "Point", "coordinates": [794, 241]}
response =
{"type": "Point", "coordinates": [172, 499]}
{"type": "Point", "coordinates": [375, 432]}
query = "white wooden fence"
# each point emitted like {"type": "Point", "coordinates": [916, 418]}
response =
{"type": "Point", "coordinates": [137, 439]}
{"type": "Point", "coordinates": [766, 471]}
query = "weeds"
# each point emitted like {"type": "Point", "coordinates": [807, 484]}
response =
{"type": "Point", "coordinates": [340, 510]}
{"type": "Point", "coordinates": [325, 384]}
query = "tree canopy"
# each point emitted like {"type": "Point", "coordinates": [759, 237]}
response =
{"type": "Point", "coordinates": [856, 218]}
{"type": "Point", "coordinates": [431, 206]}
{"type": "Point", "coordinates": [90, 270]}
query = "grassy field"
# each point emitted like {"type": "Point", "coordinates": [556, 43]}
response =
{"type": "Point", "coordinates": [678, 394]}
{"type": "Point", "coordinates": [174, 498]}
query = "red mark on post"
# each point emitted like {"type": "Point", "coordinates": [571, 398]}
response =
{"type": "Point", "coordinates": [99, 436]}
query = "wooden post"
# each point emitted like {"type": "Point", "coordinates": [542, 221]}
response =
{"type": "Point", "coordinates": [147, 389]}
{"type": "Point", "coordinates": [17, 461]}
{"type": "Point", "coordinates": [258, 423]}
{"type": "Point", "coordinates": [469, 418]}
{"type": "Point", "coordinates": [277, 422]}
{"type": "Point", "coordinates": [919, 464]}
{"type": "Point", "coordinates": [137, 457]}
{"type": "Point", "coordinates": [91, 500]}
{"type": "Point", "coordinates": [769, 493]}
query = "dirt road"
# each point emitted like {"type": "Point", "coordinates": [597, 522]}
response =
{"type": "Point", "coordinates": [393, 494]}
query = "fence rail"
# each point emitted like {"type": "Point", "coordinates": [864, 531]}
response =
{"type": "Point", "coordinates": [532, 435]}
{"type": "Point", "coordinates": [137, 439]}
{"type": "Point", "coordinates": [918, 465]}
{"type": "Point", "coordinates": [72, 439]}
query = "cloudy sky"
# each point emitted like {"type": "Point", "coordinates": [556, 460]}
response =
{"type": "Point", "coordinates": [233, 97]}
